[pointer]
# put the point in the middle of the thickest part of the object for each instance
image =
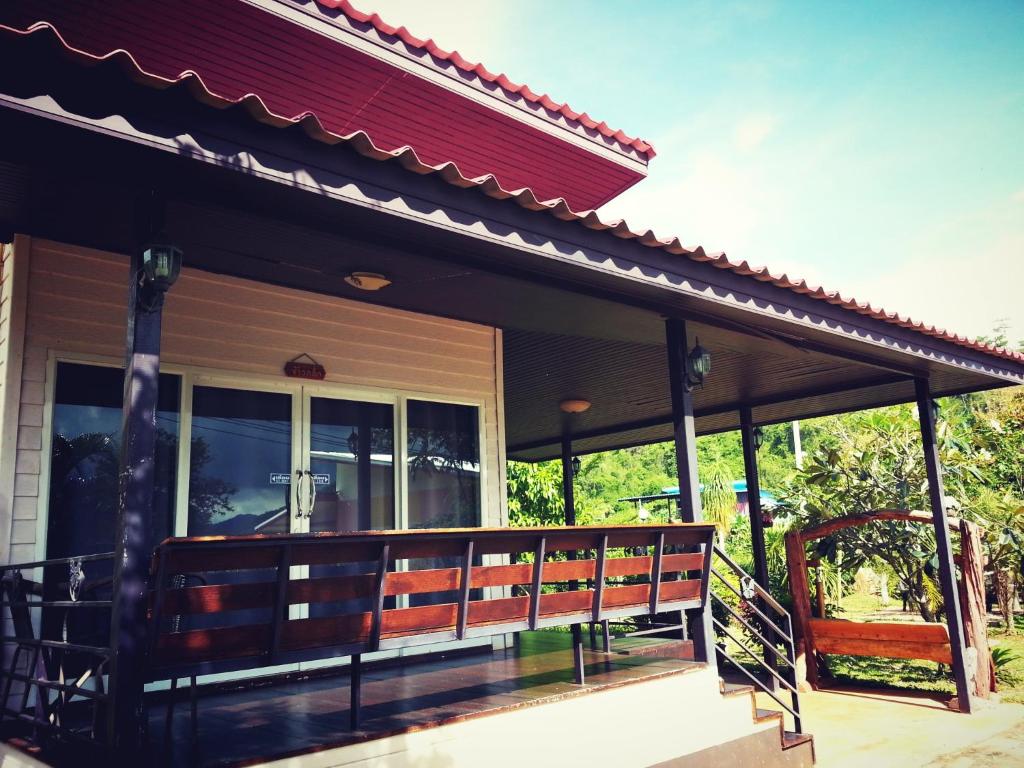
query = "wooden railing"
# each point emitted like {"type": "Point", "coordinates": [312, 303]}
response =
{"type": "Point", "coordinates": [383, 590]}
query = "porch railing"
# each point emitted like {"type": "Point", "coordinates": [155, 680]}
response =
{"type": "Point", "coordinates": [771, 627]}
{"type": "Point", "coordinates": [43, 679]}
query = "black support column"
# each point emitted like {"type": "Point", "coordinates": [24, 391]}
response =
{"type": "Point", "coordinates": [756, 519]}
{"type": "Point", "coordinates": [568, 491]}
{"type": "Point", "coordinates": [685, 437]}
{"type": "Point", "coordinates": [569, 497]}
{"type": "Point", "coordinates": [947, 572]}
{"type": "Point", "coordinates": [134, 533]}
{"type": "Point", "coordinates": [754, 497]}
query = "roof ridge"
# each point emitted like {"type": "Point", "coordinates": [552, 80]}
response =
{"type": "Point", "coordinates": [362, 143]}
{"type": "Point", "coordinates": [500, 79]}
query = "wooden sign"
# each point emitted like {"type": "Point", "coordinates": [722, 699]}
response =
{"type": "Point", "coordinates": [296, 368]}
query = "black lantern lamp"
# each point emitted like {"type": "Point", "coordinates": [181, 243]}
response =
{"type": "Point", "coordinates": [698, 366]}
{"type": "Point", "coordinates": [758, 438]}
{"type": "Point", "coordinates": [936, 411]}
{"type": "Point", "coordinates": [161, 265]}
{"type": "Point", "coordinates": [576, 465]}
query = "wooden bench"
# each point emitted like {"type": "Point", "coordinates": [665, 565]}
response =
{"type": "Point", "coordinates": [199, 586]}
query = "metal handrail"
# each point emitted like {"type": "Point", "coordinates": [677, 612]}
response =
{"type": "Point", "coordinates": [771, 629]}
{"type": "Point", "coordinates": [761, 591]}
{"type": "Point", "coordinates": [770, 646]}
{"type": "Point", "coordinates": [764, 617]}
{"type": "Point", "coordinates": [56, 561]}
{"type": "Point", "coordinates": [44, 659]}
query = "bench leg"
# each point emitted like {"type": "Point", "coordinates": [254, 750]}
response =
{"type": "Point", "coordinates": [577, 654]}
{"type": "Point", "coordinates": [593, 637]}
{"type": "Point", "coordinates": [169, 716]}
{"type": "Point", "coordinates": [606, 636]}
{"type": "Point", "coordinates": [355, 690]}
{"type": "Point", "coordinates": [194, 704]}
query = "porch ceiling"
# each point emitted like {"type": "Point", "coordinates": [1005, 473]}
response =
{"type": "Point", "coordinates": [582, 313]}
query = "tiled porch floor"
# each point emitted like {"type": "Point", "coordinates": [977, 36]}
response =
{"type": "Point", "coordinates": [256, 724]}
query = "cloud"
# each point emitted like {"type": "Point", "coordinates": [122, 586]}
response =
{"type": "Point", "coordinates": [752, 130]}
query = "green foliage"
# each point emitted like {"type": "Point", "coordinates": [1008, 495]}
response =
{"type": "Point", "coordinates": [1004, 660]}
{"type": "Point", "coordinates": [535, 494]}
{"type": "Point", "coordinates": [718, 499]}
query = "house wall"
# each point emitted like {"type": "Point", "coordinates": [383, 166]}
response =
{"type": "Point", "coordinates": [76, 306]}
{"type": "Point", "coordinates": [17, 510]}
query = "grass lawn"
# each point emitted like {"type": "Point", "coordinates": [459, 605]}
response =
{"type": "Point", "coordinates": [920, 675]}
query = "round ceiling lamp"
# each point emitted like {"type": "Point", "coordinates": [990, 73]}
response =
{"type": "Point", "coordinates": [367, 281]}
{"type": "Point", "coordinates": [574, 406]}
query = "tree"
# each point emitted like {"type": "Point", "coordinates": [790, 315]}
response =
{"type": "Point", "coordinates": [535, 494]}
{"type": "Point", "coordinates": [873, 460]}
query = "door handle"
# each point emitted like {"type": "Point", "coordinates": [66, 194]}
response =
{"type": "Point", "coordinates": [312, 494]}
{"type": "Point", "coordinates": [298, 494]}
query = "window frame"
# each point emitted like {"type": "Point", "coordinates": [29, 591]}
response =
{"type": "Point", "coordinates": [301, 391]}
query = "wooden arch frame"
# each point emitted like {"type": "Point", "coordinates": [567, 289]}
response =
{"type": "Point", "coordinates": [891, 640]}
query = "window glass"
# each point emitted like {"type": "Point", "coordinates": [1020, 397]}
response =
{"type": "Point", "coordinates": [351, 449]}
{"type": "Point", "coordinates": [240, 482]}
{"type": "Point", "coordinates": [240, 474]}
{"type": "Point", "coordinates": [85, 451]}
{"type": "Point", "coordinates": [82, 519]}
{"type": "Point", "coordinates": [351, 456]}
{"type": "Point", "coordinates": [444, 465]}
{"type": "Point", "coordinates": [444, 478]}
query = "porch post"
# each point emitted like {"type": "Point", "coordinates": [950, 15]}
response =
{"type": "Point", "coordinates": [133, 536]}
{"type": "Point", "coordinates": [569, 497]}
{"type": "Point", "coordinates": [568, 492]}
{"type": "Point", "coordinates": [947, 574]}
{"type": "Point", "coordinates": [756, 520]}
{"type": "Point", "coordinates": [753, 497]}
{"type": "Point", "coordinates": [685, 437]}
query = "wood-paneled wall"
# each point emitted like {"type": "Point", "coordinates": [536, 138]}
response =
{"type": "Point", "coordinates": [76, 304]}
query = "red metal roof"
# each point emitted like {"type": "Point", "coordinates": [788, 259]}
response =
{"type": "Point", "coordinates": [478, 69]}
{"type": "Point", "coordinates": [361, 142]}
{"type": "Point", "coordinates": [239, 49]}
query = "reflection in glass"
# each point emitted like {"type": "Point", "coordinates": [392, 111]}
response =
{"type": "Point", "coordinates": [444, 477]}
{"type": "Point", "coordinates": [444, 465]}
{"type": "Point", "coordinates": [85, 451]}
{"type": "Point", "coordinates": [352, 459]}
{"type": "Point", "coordinates": [241, 462]}
{"type": "Point", "coordinates": [84, 459]}
{"type": "Point", "coordinates": [240, 480]}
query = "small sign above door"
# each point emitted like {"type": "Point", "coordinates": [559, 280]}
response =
{"type": "Point", "coordinates": [309, 368]}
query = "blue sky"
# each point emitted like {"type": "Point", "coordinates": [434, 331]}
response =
{"type": "Point", "coordinates": [875, 148]}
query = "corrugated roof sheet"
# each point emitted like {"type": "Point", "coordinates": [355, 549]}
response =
{"type": "Point", "coordinates": [449, 172]}
{"type": "Point", "coordinates": [476, 68]}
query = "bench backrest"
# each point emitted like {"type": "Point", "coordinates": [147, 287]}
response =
{"type": "Point", "coordinates": [223, 603]}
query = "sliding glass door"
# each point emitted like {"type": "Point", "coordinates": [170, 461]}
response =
{"type": "Point", "coordinates": [240, 457]}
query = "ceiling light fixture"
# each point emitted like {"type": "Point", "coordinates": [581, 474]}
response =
{"type": "Point", "coordinates": [367, 281]}
{"type": "Point", "coordinates": [574, 406]}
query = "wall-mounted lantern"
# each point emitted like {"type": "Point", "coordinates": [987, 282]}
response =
{"type": "Point", "coordinates": [576, 465]}
{"type": "Point", "coordinates": [758, 438]}
{"type": "Point", "coordinates": [161, 265]}
{"type": "Point", "coordinates": [698, 366]}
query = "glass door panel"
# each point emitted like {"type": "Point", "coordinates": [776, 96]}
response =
{"type": "Point", "coordinates": [240, 474]}
{"type": "Point", "coordinates": [240, 480]}
{"type": "Point", "coordinates": [444, 476]}
{"type": "Point", "coordinates": [351, 466]}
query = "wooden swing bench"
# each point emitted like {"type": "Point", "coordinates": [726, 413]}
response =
{"type": "Point", "coordinates": [929, 642]}
{"type": "Point", "coordinates": [888, 640]}
{"type": "Point", "coordinates": [365, 603]}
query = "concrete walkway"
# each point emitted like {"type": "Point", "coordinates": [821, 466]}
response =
{"type": "Point", "coordinates": [856, 727]}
